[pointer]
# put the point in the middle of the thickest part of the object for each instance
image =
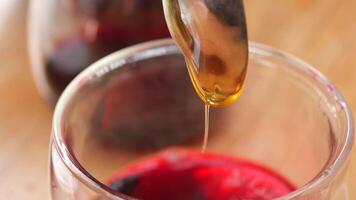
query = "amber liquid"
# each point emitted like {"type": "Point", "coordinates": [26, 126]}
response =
{"type": "Point", "coordinates": [213, 39]}
{"type": "Point", "coordinates": [206, 129]}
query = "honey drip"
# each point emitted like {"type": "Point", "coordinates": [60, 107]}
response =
{"type": "Point", "coordinates": [212, 36]}
{"type": "Point", "coordinates": [206, 129]}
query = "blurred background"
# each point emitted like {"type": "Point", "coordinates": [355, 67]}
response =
{"type": "Point", "coordinates": [318, 31]}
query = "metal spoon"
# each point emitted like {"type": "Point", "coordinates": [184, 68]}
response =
{"type": "Point", "coordinates": [212, 36]}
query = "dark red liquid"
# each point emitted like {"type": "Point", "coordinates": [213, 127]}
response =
{"type": "Point", "coordinates": [118, 24]}
{"type": "Point", "coordinates": [186, 175]}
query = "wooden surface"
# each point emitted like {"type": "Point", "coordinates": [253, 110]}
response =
{"type": "Point", "coordinates": [320, 32]}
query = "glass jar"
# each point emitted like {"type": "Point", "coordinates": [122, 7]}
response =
{"type": "Point", "coordinates": [66, 36]}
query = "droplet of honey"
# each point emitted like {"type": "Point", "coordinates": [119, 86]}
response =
{"type": "Point", "coordinates": [213, 39]}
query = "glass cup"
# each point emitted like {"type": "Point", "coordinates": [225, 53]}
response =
{"type": "Point", "coordinates": [139, 100]}
{"type": "Point", "coordinates": [66, 36]}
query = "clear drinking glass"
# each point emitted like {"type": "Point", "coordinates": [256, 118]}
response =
{"type": "Point", "coordinates": [66, 36]}
{"type": "Point", "coordinates": [139, 100]}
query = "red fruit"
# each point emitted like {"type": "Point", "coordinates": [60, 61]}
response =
{"type": "Point", "coordinates": [243, 181]}
{"type": "Point", "coordinates": [180, 174]}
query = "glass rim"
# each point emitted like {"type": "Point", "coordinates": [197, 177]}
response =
{"type": "Point", "coordinates": [326, 174]}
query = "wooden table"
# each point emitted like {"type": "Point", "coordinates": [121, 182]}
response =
{"type": "Point", "coordinates": [321, 32]}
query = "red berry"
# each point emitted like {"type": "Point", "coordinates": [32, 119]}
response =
{"type": "Point", "coordinates": [179, 174]}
